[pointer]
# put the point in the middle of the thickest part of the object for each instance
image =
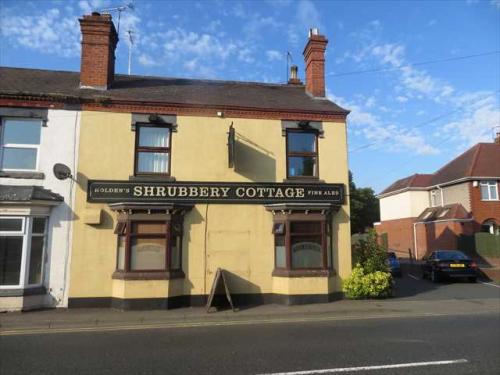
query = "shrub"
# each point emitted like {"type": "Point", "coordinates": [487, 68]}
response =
{"type": "Point", "coordinates": [369, 254]}
{"type": "Point", "coordinates": [362, 284]}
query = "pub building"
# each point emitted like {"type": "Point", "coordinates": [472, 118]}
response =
{"type": "Point", "coordinates": [178, 178]}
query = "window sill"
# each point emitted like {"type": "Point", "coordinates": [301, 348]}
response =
{"type": "Point", "coordinates": [20, 292]}
{"type": "Point", "coordinates": [25, 175]}
{"type": "Point", "coordinates": [303, 273]}
{"type": "Point", "coordinates": [150, 275]}
{"type": "Point", "coordinates": [303, 180]}
{"type": "Point", "coordinates": [151, 177]}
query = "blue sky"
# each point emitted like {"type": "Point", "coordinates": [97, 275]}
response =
{"type": "Point", "coordinates": [406, 117]}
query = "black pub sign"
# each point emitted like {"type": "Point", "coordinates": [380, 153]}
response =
{"type": "Point", "coordinates": [213, 192]}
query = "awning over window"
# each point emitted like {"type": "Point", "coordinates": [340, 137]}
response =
{"type": "Point", "coordinates": [28, 194]}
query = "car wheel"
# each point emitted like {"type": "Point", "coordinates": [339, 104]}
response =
{"type": "Point", "coordinates": [434, 277]}
{"type": "Point", "coordinates": [472, 279]}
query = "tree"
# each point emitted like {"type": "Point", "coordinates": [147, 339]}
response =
{"type": "Point", "coordinates": [364, 207]}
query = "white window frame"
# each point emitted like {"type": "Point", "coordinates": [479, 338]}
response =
{"type": "Point", "coordinates": [27, 233]}
{"type": "Point", "coordinates": [19, 145]}
{"type": "Point", "coordinates": [488, 184]}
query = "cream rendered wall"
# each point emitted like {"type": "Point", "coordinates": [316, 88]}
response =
{"type": "Point", "coordinates": [237, 238]}
{"type": "Point", "coordinates": [457, 194]}
{"type": "Point", "coordinates": [58, 144]}
{"type": "Point", "coordinates": [403, 205]}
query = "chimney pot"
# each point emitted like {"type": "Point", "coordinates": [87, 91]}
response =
{"type": "Point", "coordinates": [314, 58]}
{"type": "Point", "coordinates": [294, 78]}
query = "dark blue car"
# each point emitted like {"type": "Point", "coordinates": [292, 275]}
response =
{"type": "Point", "coordinates": [394, 265]}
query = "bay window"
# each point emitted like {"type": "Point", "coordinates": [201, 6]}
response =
{"type": "Point", "coordinates": [152, 150]}
{"type": "Point", "coordinates": [149, 248]}
{"type": "Point", "coordinates": [19, 144]}
{"type": "Point", "coordinates": [301, 245]}
{"type": "Point", "coordinates": [22, 247]}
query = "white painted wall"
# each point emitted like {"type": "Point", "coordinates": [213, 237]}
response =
{"type": "Point", "coordinates": [403, 205]}
{"type": "Point", "coordinates": [58, 144]}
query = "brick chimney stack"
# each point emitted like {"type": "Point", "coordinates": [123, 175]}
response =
{"type": "Point", "coordinates": [497, 138]}
{"type": "Point", "coordinates": [314, 57]}
{"type": "Point", "coordinates": [99, 39]}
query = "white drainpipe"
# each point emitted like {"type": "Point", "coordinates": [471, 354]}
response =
{"type": "Point", "coordinates": [415, 239]}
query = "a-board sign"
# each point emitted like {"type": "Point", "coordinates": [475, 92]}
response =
{"type": "Point", "coordinates": [219, 284]}
{"type": "Point", "coordinates": [214, 192]}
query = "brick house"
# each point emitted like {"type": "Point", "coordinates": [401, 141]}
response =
{"type": "Point", "coordinates": [425, 212]}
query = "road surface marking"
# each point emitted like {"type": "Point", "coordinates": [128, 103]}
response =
{"type": "Point", "coordinates": [490, 284]}
{"type": "Point", "coordinates": [413, 277]}
{"type": "Point", "coordinates": [136, 327]}
{"type": "Point", "coordinates": [370, 368]}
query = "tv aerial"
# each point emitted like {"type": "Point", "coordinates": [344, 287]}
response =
{"type": "Point", "coordinates": [62, 171]}
{"type": "Point", "coordinates": [118, 9]}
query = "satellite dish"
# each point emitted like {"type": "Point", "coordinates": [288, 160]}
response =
{"type": "Point", "coordinates": [61, 171]}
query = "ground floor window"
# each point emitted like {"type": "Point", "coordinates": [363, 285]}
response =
{"type": "Point", "coordinates": [22, 249]}
{"type": "Point", "coordinates": [149, 245]}
{"type": "Point", "coordinates": [301, 243]}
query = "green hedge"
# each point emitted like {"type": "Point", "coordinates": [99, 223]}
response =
{"type": "Point", "coordinates": [487, 245]}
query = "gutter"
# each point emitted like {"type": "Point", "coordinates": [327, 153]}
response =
{"type": "Point", "coordinates": [444, 184]}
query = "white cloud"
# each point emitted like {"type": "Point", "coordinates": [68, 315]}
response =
{"type": "Point", "coordinates": [48, 32]}
{"type": "Point", "coordinates": [381, 135]}
{"type": "Point", "coordinates": [147, 60]}
{"type": "Point", "coordinates": [273, 55]}
{"type": "Point", "coordinates": [308, 16]}
{"type": "Point", "coordinates": [402, 99]}
{"type": "Point", "coordinates": [201, 54]}
{"type": "Point", "coordinates": [391, 54]}
{"type": "Point", "coordinates": [482, 115]}
{"type": "Point", "coordinates": [495, 3]}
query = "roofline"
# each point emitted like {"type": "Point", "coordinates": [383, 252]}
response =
{"type": "Point", "coordinates": [442, 221]}
{"type": "Point", "coordinates": [343, 111]}
{"type": "Point", "coordinates": [430, 187]}
{"type": "Point", "coordinates": [105, 104]}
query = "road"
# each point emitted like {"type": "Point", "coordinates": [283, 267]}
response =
{"type": "Point", "coordinates": [265, 349]}
{"type": "Point", "coordinates": [468, 344]}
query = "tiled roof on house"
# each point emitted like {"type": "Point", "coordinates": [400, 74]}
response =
{"type": "Point", "coordinates": [447, 212]}
{"type": "Point", "coordinates": [481, 160]}
{"type": "Point", "coordinates": [416, 180]}
{"type": "Point", "coordinates": [174, 91]}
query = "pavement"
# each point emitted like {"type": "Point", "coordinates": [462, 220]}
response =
{"type": "Point", "coordinates": [414, 297]}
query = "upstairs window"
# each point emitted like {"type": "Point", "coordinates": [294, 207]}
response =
{"type": "Point", "coordinates": [489, 190]}
{"type": "Point", "coordinates": [152, 150]}
{"type": "Point", "coordinates": [19, 144]}
{"type": "Point", "coordinates": [301, 154]}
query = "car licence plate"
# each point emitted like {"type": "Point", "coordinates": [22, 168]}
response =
{"type": "Point", "coordinates": [457, 265]}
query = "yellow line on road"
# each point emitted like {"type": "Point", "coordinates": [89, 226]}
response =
{"type": "Point", "coordinates": [135, 327]}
